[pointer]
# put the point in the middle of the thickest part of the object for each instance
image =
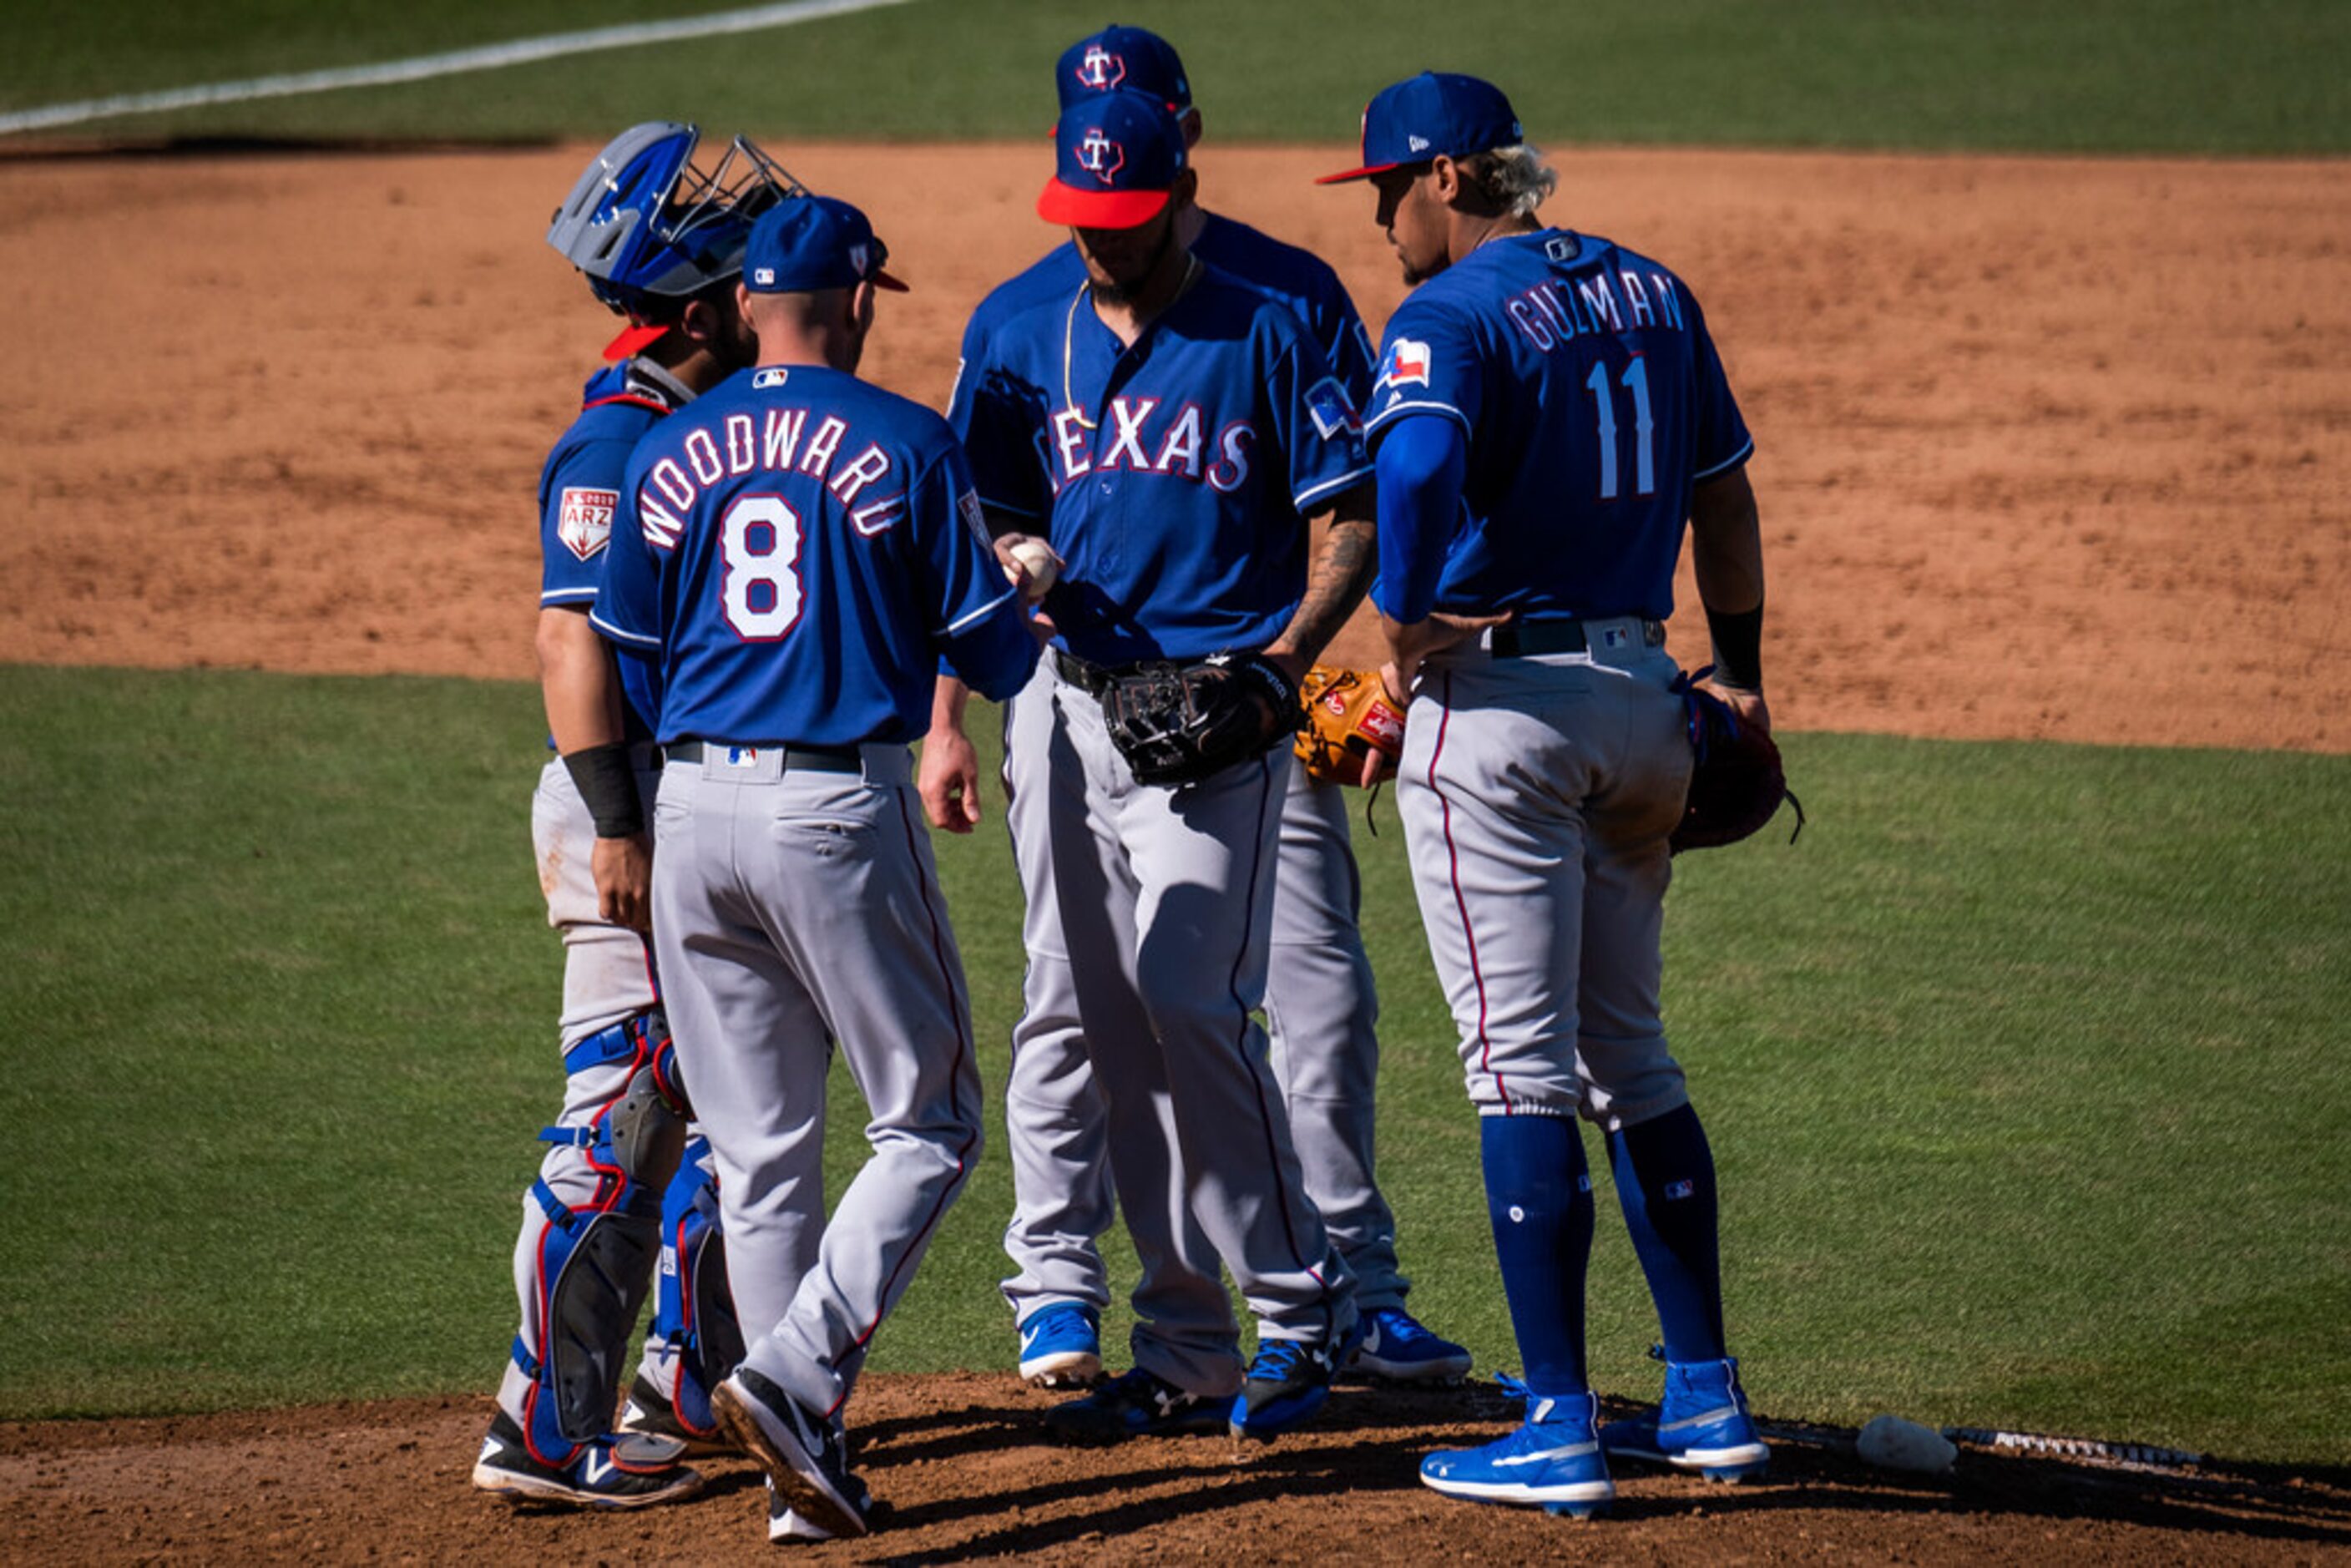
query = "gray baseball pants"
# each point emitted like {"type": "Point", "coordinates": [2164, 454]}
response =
{"type": "Point", "coordinates": [795, 909]}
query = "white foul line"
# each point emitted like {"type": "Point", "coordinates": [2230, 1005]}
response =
{"type": "Point", "coordinates": [487, 57]}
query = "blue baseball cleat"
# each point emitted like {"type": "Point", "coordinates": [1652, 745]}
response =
{"type": "Point", "coordinates": [1703, 1426]}
{"type": "Point", "coordinates": [1288, 1382]}
{"type": "Point", "coordinates": [1060, 1347]}
{"type": "Point", "coordinates": [1135, 1405]}
{"type": "Point", "coordinates": [1553, 1462]}
{"type": "Point", "coordinates": [1397, 1347]}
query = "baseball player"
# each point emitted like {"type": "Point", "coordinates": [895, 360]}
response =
{"type": "Point", "coordinates": [1172, 429]}
{"type": "Point", "coordinates": [798, 550]}
{"type": "Point", "coordinates": [660, 240]}
{"type": "Point", "coordinates": [1320, 1004]}
{"type": "Point", "coordinates": [1549, 412]}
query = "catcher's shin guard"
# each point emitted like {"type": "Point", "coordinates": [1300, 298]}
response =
{"type": "Point", "coordinates": [588, 1266]}
{"type": "Point", "coordinates": [693, 1311]}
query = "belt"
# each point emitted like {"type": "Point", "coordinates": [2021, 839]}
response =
{"type": "Point", "coordinates": [1089, 678]}
{"type": "Point", "coordinates": [1525, 639]}
{"type": "Point", "coordinates": [808, 758]}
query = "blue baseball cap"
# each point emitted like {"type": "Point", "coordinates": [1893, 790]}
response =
{"type": "Point", "coordinates": [810, 242]}
{"type": "Point", "coordinates": [1434, 114]}
{"type": "Point", "coordinates": [1116, 157]}
{"type": "Point", "coordinates": [1123, 60]}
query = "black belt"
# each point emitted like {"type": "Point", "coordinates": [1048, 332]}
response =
{"type": "Point", "coordinates": [1525, 639]}
{"type": "Point", "coordinates": [1092, 679]}
{"type": "Point", "coordinates": [809, 759]}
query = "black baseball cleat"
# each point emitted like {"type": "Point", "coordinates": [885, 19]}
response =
{"type": "Point", "coordinates": [1288, 1382]}
{"type": "Point", "coordinates": [803, 1456]}
{"type": "Point", "coordinates": [786, 1525]}
{"type": "Point", "coordinates": [650, 1413]}
{"type": "Point", "coordinates": [621, 1470]}
{"type": "Point", "coordinates": [1137, 1404]}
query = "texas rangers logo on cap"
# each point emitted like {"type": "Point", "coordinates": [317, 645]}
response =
{"type": "Point", "coordinates": [1101, 71]}
{"type": "Point", "coordinates": [1103, 157]}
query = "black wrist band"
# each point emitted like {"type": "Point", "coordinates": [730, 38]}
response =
{"type": "Point", "coordinates": [609, 785]}
{"type": "Point", "coordinates": [1737, 648]}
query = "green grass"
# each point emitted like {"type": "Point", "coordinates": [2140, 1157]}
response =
{"type": "Point", "coordinates": [2105, 76]}
{"type": "Point", "coordinates": [2023, 1069]}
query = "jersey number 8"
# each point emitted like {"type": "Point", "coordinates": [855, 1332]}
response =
{"type": "Point", "coordinates": [759, 544]}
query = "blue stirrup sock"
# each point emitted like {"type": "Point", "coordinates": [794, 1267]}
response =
{"type": "Point", "coordinates": [1664, 1180]}
{"type": "Point", "coordinates": [1539, 1195]}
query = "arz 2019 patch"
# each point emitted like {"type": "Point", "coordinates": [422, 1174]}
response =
{"type": "Point", "coordinates": [586, 520]}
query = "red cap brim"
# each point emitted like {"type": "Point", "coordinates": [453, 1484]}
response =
{"type": "Point", "coordinates": [1073, 208]}
{"type": "Point", "coordinates": [882, 279]}
{"type": "Point", "coordinates": [1366, 172]}
{"type": "Point", "coordinates": [633, 340]}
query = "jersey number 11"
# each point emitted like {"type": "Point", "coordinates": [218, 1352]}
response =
{"type": "Point", "coordinates": [1645, 462]}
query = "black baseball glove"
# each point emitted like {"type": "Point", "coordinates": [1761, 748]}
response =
{"type": "Point", "coordinates": [1178, 724]}
{"type": "Point", "coordinates": [1738, 782]}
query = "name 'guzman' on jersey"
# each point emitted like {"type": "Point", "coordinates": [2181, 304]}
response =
{"type": "Point", "coordinates": [800, 547]}
{"type": "Point", "coordinates": [1174, 475]}
{"type": "Point", "coordinates": [1594, 401]}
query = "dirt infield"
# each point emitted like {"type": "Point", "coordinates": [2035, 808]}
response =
{"type": "Point", "coordinates": [2047, 448]}
{"type": "Point", "coordinates": [962, 1474]}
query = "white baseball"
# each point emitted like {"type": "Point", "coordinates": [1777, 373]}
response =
{"type": "Point", "coordinates": [1037, 559]}
{"type": "Point", "coordinates": [1893, 1443]}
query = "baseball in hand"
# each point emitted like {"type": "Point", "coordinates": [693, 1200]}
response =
{"type": "Point", "coordinates": [1037, 559]}
{"type": "Point", "coordinates": [1893, 1443]}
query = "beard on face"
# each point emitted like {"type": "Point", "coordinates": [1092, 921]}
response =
{"type": "Point", "coordinates": [1115, 290]}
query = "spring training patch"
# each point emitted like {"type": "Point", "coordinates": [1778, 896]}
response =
{"type": "Point", "coordinates": [585, 521]}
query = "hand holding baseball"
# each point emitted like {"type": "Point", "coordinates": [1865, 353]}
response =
{"type": "Point", "coordinates": [1029, 565]}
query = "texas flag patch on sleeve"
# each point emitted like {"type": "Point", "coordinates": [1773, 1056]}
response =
{"type": "Point", "coordinates": [1406, 364]}
{"type": "Point", "coordinates": [585, 521]}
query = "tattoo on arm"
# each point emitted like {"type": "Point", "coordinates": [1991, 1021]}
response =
{"type": "Point", "coordinates": [1340, 577]}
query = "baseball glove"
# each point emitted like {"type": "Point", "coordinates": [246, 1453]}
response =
{"type": "Point", "coordinates": [1738, 782]}
{"type": "Point", "coordinates": [1348, 717]}
{"type": "Point", "coordinates": [1178, 724]}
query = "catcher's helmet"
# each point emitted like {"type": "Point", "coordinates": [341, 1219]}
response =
{"type": "Point", "coordinates": [643, 223]}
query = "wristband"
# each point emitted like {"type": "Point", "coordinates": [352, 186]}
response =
{"type": "Point", "coordinates": [1737, 648]}
{"type": "Point", "coordinates": [609, 785]}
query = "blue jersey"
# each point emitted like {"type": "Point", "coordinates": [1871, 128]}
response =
{"type": "Point", "coordinates": [1593, 401]}
{"type": "Point", "coordinates": [1298, 278]}
{"type": "Point", "coordinates": [580, 494]}
{"type": "Point", "coordinates": [800, 548]}
{"type": "Point", "coordinates": [1173, 476]}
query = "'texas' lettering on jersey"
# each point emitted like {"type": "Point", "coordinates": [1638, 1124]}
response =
{"type": "Point", "coordinates": [780, 442]}
{"type": "Point", "coordinates": [1144, 435]}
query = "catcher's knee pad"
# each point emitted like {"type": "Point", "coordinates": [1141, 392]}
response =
{"type": "Point", "coordinates": [694, 1310]}
{"type": "Point", "coordinates": [595, 1260]}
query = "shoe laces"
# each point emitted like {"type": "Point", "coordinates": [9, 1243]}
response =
{"type": "Point", "coordinates": [1278, 1360]}
{"type": "Point", "coordinates": [1401, 1326]}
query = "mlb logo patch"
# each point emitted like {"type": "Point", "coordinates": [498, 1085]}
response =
{"type": "Point", "coordinates": [1407, 364]}
{"type": "Point", "coordinates": [584, 523]}
{"type": "Point", "coordinates": [742, 757]}
{"type": "Point", "coordinates": [1680, 1189]}
{"type": "Point", "coordinates": [763, 275]}
{"type": "Point", "coordinates": [1100, 157]}
{"type": "Point", "coordinates": [1332, 411]}
{"type": "Point", "coordinates": [774, 376]}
